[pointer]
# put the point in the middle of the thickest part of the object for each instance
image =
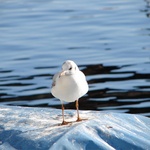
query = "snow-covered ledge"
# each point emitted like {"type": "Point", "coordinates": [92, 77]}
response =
{"type": "Point", "coordinates": [24, 128]}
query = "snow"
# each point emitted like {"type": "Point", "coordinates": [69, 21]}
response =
{"type": "Point", "coordinates": [23, 128]}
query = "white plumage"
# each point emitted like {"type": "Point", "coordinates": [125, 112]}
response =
{"type": "Point", "coordinates": [69, 85]}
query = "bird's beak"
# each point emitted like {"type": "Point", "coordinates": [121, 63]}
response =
{"type": "Point", "coordinates": [62, 73]}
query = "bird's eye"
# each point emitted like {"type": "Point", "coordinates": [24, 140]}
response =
{"type": "Point", "coordinates": [70, 68]}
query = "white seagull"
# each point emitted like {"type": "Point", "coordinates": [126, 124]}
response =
{"type": "Point", "coordinates": [69, 85]}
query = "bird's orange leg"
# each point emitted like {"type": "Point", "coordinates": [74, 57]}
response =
{"type": "Point", "coordinates": [63, 122]}
{"type": "Point", "coordinates": [77, 108]}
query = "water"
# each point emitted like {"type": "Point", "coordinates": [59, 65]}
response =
{"type": "Point", "coordinates": [109, 40]}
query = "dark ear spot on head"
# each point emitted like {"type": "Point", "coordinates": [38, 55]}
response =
{"type": "Point", "coordinates": [70, 68]}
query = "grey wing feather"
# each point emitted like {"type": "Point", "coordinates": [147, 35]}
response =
{"type": "Point", "coordinates": [55, 78]}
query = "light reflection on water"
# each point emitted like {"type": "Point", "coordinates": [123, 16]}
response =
{"type": "Point", "coordinates": [108, 40]}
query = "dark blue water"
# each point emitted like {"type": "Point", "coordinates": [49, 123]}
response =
{"type": "Point", "coordinates": [109, 40]}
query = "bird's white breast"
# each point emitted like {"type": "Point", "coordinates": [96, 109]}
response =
{"type": "Point", "coordinates": [70, 87]}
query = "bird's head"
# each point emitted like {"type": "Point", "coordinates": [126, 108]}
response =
{"type": "Point", "coordinates": [69, 67]}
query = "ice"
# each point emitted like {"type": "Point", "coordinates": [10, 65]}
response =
{"type": "Point", "coordinates": [23, 128]}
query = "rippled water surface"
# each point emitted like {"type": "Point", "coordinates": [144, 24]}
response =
{"type": "Point", "coordinates": [109, 40]}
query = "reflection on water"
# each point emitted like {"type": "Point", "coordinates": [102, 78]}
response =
{"type": "Point", "coordinates": [147, 9]}
{"type": "Point", "coordinates": [108, 40]}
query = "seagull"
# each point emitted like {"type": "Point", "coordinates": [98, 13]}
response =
{"type": "Point", "coordinates": [69, 85]}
